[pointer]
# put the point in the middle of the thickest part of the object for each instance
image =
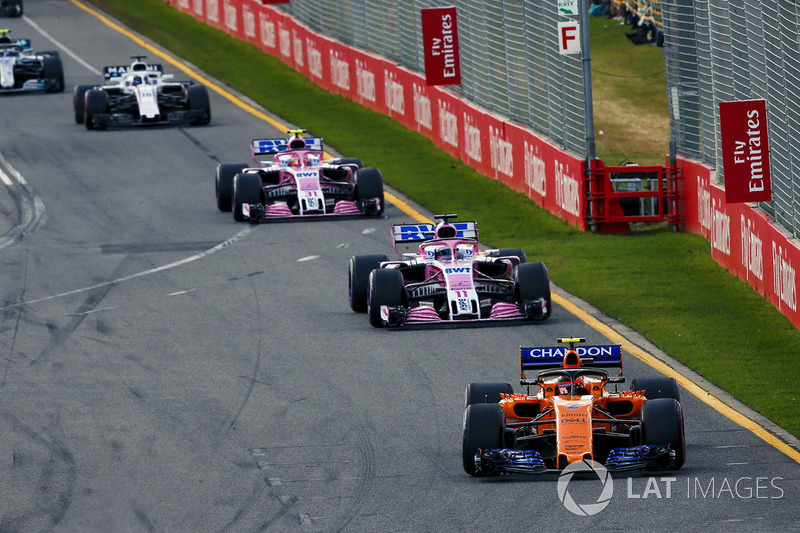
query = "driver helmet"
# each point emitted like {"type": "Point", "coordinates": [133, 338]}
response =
{"type": "Point", "coordinates": [296, 161]}
{"type": "Point", "coordinates": [444, 254]}
{"type": "Point", "coordinates": [137, 80]}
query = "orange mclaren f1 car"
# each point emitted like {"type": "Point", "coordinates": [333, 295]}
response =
{"type": "Point", "coordinates": [573, 416]}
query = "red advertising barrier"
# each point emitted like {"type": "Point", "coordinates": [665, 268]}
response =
{"type": "Point", "coordinates": [440, 42]}
{"type": "Point", "coordinates": [744, 239]}
{"type": "Point", "coordinates": [369, 86]}
{"type": "Point", "coordinates": [745, 151]}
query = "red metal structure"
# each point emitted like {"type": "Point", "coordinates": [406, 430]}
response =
{"type": "Point", "coordinates": [620, 195]}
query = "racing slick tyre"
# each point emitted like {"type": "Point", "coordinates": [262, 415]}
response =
{"type": "Point", "coordinates": [657, 388]}
{"type": "Point", "coordinates": [369, 185]}
{"type": "Point", "coordinates": [513, 252]}
{"type": "Point", "coordinates": [53, 74]}
{"type": "Point", "coordinates": [483, 430]}
{"type": "Point", "coordinates": [531, 282]}
{"type": "Point", "coordinates": [662, 423]}
{"type": "Point", "coordinates": [223, 184]}
{"type": "Point", "coordinates": [197, 99]}
{"type": "Point", "coordinates": [485, 392]}
{"type": "Point", "coordinates": [13, 8]}
{"type": "Point", "coordinates": [95, 103]}
{"type": "Point", "coordinates": [349, 161]}
{"type": "Point", "coordinates": [246, 190]}
{"type": "Point", "coordinates": [358, 272]}
{"type": "Point", "coordinates": [386, 287]}
{"type": "Point", "coordinates": [79, 101]}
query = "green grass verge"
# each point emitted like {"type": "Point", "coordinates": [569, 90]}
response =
{"type": "Point", "coordinates": [663, 284]}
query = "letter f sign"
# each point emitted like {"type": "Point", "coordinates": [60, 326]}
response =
{"type": "Point", "coordinates": [568, 42]}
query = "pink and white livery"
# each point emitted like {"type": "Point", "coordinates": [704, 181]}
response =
{"type": "Point", "coordinates": [442, 277]}
{"type": "Point", "coordinates": [295, 181]}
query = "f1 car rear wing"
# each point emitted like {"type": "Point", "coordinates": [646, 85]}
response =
{"type": "Point", "coordinates": [115, 71]}
{"type": "Point", "coordinates": [542, 358]}
{"type": "Point", "coordinates": [273, 146]}
{"type": "Point", "coordinates": [406, 237]}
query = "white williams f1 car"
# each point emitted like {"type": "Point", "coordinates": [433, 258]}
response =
{"type": "Point", "coordinates": [140, 94]}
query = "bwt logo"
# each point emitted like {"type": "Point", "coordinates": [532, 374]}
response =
{"type": "Point", "coordinates": [422, 108]}
{"type": "Point", "coordinates": [394, 94]}
{"type": "Point", "coordinates": [365, 82]}
{"type": "Point", "coordinates": [472, 139]}
{"type": "Point", "coordinates": [448, 125]}
{"type": "Point", "coordinates": [457, 270]}
{"type": "Point", "coordinates": [231, 17]}
{"type": "Point", "coordinates": [249, 21]}
{"type": "Point", "coordinates": [752, 249]}
{"type": "Point", "coordinates": [314, 58]}
{"type": "Point", "coordinates": [502, 155]}
{"type": "Point", "coordinates": [268, 33]}
{"type": "Point", "coordinates": [720, 231]}
{"type": "Point", "coordinates": [535, 176]}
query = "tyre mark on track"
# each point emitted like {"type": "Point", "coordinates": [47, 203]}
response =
{"type": "Point", "coordinates": [55, 485]}
{"type": "Point", "coordinates": [30, 207]}
{"type": "Point", "coordinates": [246, 230]}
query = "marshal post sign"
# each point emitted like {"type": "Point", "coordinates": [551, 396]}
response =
{"type": "Point", "coordinates": [440, 41]}
{"type": "Point", "coordinates": [745, 151]}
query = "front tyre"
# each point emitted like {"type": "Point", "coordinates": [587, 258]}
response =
{"type": "Point", "coordinates": [482, 430]}
{"type": "Point", "coordinates": [223, 184]}
{"type": "Point", "coordinates": [386, 287]}
{"type": "Point", "coordinates": [246, 190]}
{"type": "Point", "coordinates": [197, 100]}
{"type": "Point", "coordinates": [53, 74]}
{"type": "Point", "coordinates": [95, 105]}
{"type": "Point", "coordinates": [358, 272]}
{"type": "Point", "coordinates": [79, 101]}
{"type": "Point", "coordinates": [532, 282]}
{"type": "Point", "coordinates": [662, 423]}
{"type": "Point", "coordinates": [369, 186]}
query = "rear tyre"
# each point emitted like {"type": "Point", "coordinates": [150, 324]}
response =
{"type": "Point", "coordinates": [485, 392]}
{"type": "Point", "coordinates": [482, 430]}
{"type": "Point", "coordinates": [223, 184]}
{"type": "Point", "coordinates": [358, 272]}
{"type": "Point", "coordinates": [514, 252]}
{"type": "Point", "coordinates": [95, 103]}
{"type": "Point", "coordinates": [531, 282]}
{"type": "Point", "coordinates": [53, 73]}
{"type": "Point", "coordinates": [197, 100]}
{"type": "Point", "coordinates": [385, 288]}
{"type": "Point", "coordinates": [246, 190]}
{"type": "Point", "coordinates": [662, 423]}
{"type": "Point", "coordinates": [369, 185]}
{"type": "Point", "coordinates": [350, 161]}
{"type": "Point", "coordinates": [79, 101]}
{"type": "Point", "coordinates": [657, 388]}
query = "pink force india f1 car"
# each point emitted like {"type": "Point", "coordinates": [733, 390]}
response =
{"type": "Point", "coordinates": [572, 416]}
{"type": "Point", "coordinates": [442, 277]}
{"type": "Point", "coordinates": [294, 181]}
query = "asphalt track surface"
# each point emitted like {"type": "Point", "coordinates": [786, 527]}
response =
{"type": "Point", "coordinates": [167, 369]}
